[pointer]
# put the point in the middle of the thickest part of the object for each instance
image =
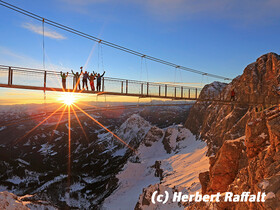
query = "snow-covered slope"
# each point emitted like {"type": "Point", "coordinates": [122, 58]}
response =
{"type": "Point", "coordinates": [155, 165]}
{"type": "Point", "coordinates": [101, 167]}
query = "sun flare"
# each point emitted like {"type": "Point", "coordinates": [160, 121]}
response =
{"type": "Point", "coordinates": [67, 98]}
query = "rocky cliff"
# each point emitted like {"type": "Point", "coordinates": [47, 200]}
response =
{"type": "Point", "coordinates": [244, 137]}
{"type": "Point", "coordinates": [216, 122]}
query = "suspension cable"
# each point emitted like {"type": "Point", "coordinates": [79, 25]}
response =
{"type": "Point", "coordinates": [43, 28]}
{"type": "Point", "coordinates": [44, 67]}
{"type": "Point", "coordinates": [110, 44]}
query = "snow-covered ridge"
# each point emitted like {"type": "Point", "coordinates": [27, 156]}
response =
{"type": "Point", "coordinates": [180, 165]}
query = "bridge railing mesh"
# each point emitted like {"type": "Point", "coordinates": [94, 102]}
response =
{"type": "Point", "coordinates": [4, 74]}
{"type": "Point", "coordinates": [35, 78]}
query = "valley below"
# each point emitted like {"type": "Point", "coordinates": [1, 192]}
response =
{"type": "Point", "coordinates": [208, 147]}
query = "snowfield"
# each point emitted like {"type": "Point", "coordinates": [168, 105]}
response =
{"type": "Point", "coordinates": [180, 168]}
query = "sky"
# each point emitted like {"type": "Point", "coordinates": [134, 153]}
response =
{"type": "Point", "coordinates": [218, 36]}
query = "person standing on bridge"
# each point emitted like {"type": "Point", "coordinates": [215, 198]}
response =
{"type": "Point", "coordinates": [76, 80]}
{"type": "Point", "coordinates": [91, 80]}
{"type": "Point", "coordinates": [98, 86]}
{"type": "Point", "coordinates": [232, 98]}
{"type": "Point", "coordinates": [63, 76]}
{"type": "Point", "coordinates": [85, 78]}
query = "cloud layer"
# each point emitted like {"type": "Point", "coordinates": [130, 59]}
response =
{"type": "Point", "coordinates": [39, 30]}
{"type": "Point", "coordinates": [236, 9]}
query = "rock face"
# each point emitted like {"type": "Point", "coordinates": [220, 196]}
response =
{"type": "Point", "coordinates": [263, 170]}
{"type": "Point", "coordinates": [245, 139]}
{"type": "Point", "coordinates": [11, 201]}
{"type": "Point", "coordinates": [198, 111]}
{"type": "Point", "coordinates": [225, 166]}
{"type": "Point", "coordinates": [217, 122]}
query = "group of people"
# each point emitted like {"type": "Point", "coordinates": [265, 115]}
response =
{"type": "Point", "coordinates": [85, 77]}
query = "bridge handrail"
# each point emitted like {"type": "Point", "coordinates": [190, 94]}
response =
{"type": "Point", "coordinates": [34, 70]}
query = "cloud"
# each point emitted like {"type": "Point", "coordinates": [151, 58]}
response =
{"type": "Point", "coordinates": [247, 10]}
{"type": "Point", "coordinates": [38, 30]}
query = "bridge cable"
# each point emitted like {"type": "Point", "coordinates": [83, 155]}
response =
{"type": "Point", "coordinates": [102, 63]}
{"type": "Point", "coordinates": [44, 67]}
{"type": "Point", "coordinates": [146, 66]}
{"type": "Point", "coordinates": [110, 44]}
{"type": "Point", "coordinates": [98, 57]}
{"type": "Point", "coordinates": [175, 76]}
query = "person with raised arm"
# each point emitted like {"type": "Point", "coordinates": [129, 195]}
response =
{"type": "Point", "coordinates": [98, 85]}
{"type": "Point", "coordinates": [76, 80]}
{"type": "Point", "coordinates": [85, 78]}
{"type": "Point", "coordinates": [91, 80]}
{"type": "Point", "coordinates": [63, 77]}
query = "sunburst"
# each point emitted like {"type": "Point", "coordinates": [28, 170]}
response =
{"type": "Point", "coordinates": [67, 98]}
{"type": "Point", "coordinates": [70, 100]}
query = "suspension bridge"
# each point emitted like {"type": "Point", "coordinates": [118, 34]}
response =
{"type": "Point", "coordinates": [36, 79]}
{"type": "Point", "coordinates": [43, 80]}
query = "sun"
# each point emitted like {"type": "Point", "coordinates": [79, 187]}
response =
{"type": "Point", "coordinates": [67, 98]}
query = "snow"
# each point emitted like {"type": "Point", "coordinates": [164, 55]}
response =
{"type": "Point", "coordinates": [79, 203]}
{"type": "Point", "coordinates": [134, 128]}
{"type": "Point", "coordinates": [3, 188]}
{"type": "Point", "coordinates": [264, 184]}
{"type": "Point", "coordinates": [46, 149]}
{"type": "Point", "coordinates": [54, 153]}
{"type": "Point", "coordinates": [183, 169]}
{"type": "Point", "coordinates": [263, 135]}
{"type": "Point", "coordinates": [56, 179]}
{"type": "Point", "coordinates": [58, 138]}
{"type": "Point", "coordinates": [132, 180]}
{"type": "Point", "coordinates": [269, 195]}
{"type": "Point", "coordinates": [214, 88]}
{"type": "Point", "coordinates": [240, 139]}
{"type": "Point", "coordinates": [76, 187]}
{"type": "Point", "coordinates": [56, 132]}
{"type": "Point", "coordinates": [91, 180]}
{"type": "Point", "coordinates": [27, 143]}
{"type": "Point", "coordinates": [22, 161]}
{"type": "Point", "coordinates": [15, 180]}
{"type": "Point", "coordinates": [120, 152]}
{"type": "Point", "coordinates": [187, 163]}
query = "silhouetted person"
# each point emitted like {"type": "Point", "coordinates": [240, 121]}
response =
{"type": "Point", "coordinates": [91, 80]}
{"type": "Point", "coordinates": [232, 98]}
{"type": "Point", "coordinates": [85, 78]}
{"type": "Point", "coordinates": [63, 76]}
{"type": "Point", "coordinates": [76, 80]}
{"type": "Point", "coordinates": [98, 86]}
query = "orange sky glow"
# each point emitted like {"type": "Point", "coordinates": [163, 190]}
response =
{"type": "Point", "coordinates": [16, 96]}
